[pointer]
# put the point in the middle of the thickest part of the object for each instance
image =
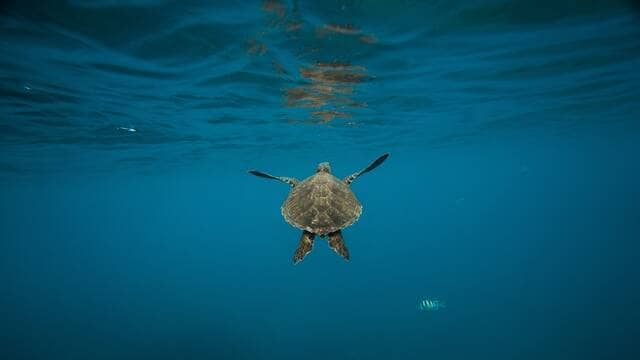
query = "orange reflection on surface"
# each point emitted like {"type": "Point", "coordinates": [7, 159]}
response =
{"type": "Point", "coordinates": [274, 6]}
{"type": "Point", "coordinates": [305, 96]}
{"type": "Point", "coordinates": [254, 47]}
{"type": "Point", "coordinates": [329, 89]}
{"type": "Point", "coordinates": [334, 73]}
{"type": "Point", "coordinates": [328, 115]}
{"type": "Point", "coordinates": [368, 39]}
{"type": "Point", "coordinates": [346, 29]}
{"type": "Point", "coordinates": [293, 26]}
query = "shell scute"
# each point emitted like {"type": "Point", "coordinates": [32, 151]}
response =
{"type": "Point", "coordinates": [321, 204]}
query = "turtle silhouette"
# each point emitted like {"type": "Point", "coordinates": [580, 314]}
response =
{"type": "Point", "coordinates": [321, 205]}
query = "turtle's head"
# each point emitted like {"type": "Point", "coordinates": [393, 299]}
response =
{"type": "Point", "coordinates": [324, 167]}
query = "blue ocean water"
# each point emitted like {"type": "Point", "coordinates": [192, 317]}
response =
{"type": "Point", "coordinates": [130, 229]}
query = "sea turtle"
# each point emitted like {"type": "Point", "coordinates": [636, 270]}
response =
{"type": "Point", "coordinates": [321, 205]}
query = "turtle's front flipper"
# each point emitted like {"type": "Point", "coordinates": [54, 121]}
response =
{"type": "Point", "coordinates": [349, 179]}
{"type": "Point", "coordinates": [288, 180]}
{"type": "Point", "coordinates": [337, 244]}
{"type": "Point", "coordinates": [305, 246]}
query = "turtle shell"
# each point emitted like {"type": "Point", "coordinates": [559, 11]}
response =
{"type": "Point", "coordinates": [321, 204]}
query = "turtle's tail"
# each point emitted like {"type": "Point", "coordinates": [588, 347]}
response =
{"type": "Point", "coordinates": [337, 244]}
{"type": "Point", "coordinates": [305, 246]}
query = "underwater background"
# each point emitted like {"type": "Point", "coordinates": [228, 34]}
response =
{"type": "Point", "coordinates": [130, 229]}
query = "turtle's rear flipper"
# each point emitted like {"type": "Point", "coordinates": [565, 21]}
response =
{"type": "Point", "coordinates": [337, 244]}
{"type": "Point", "coordinates": [305, 246]}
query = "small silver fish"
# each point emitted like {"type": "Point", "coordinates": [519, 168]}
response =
{"type": "Point", "coordinates": [431, 305]}
{"type": "Point", "coordinates": [126, 129]}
